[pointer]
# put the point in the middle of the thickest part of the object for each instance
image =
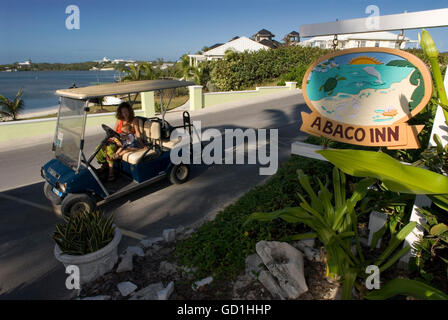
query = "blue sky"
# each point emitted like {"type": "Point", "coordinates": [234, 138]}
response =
{"type": "Point", "coordinates": [147, 30]}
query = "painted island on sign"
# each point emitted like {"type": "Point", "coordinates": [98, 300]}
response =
{"type": "Point", "coordinates": [364, 96]}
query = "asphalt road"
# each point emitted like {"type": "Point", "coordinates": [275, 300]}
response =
{"type": "Point", "coordinates": [28, 269]}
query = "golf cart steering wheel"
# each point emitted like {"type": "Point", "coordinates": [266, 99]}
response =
{"type": "Point", "coordinates": [110, 132]}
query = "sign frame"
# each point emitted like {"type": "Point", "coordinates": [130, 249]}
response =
{"type": "Point", "coordinates": [410, 131]}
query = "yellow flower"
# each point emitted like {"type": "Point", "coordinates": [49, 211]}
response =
{"type": "Point", "coordinates": [428, 45]}
{"type": "Point", "coordinates": [246, 234]}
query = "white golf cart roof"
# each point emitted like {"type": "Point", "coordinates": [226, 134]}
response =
{"type": "Point", "coordinates": [121, 88]}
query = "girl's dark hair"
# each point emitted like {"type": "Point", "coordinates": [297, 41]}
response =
{"type": "Point", "coordinates": [126, 105]}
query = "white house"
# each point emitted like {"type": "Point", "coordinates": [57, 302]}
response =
{"type": "Point", "coordinates": [240, 44]}
{"type": "Point", "coordinates": [26, 63]}
{"type": "Point", "coordinates": [372, 39]}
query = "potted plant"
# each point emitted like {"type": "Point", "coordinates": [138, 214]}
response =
{"type": "Point", "coordinates": [88, 240]}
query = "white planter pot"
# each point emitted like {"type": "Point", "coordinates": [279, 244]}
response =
{"type": "Point", "coordinates": [92, 265]}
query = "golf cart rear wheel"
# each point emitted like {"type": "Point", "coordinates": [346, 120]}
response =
{"type": "Point", "coordinates": [50, 195]}
{"type": "Point", "coordinates": [74, 203]}
{"type": "Point", "coordinates": [179, 173]}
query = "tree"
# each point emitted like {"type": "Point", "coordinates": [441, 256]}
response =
{"type": "Point", "coordinates": [142, 71]}
{"type": "Point", "coordinates": [185, 67]}
{"type": "Point", "coordinates": [12, 108]}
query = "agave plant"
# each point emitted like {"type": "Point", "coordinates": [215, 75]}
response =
{"type": "Point", "coordinates": [12, 108]}
{"type": "Point", "coordinates": [334, 221]}
{"type": "Point", "coordinates": [402, 178]}
{"type": "Point", "coordinates": [85, 232]}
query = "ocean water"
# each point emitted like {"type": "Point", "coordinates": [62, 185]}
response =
{"type": "Point", "coordinates": [357, 79]}
{"type": "Point", "coordinates": [39, 86]}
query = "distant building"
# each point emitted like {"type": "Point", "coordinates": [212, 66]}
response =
{"type": "Point", "coordinates": [218, 51]}
{"type": "Point", "coordinates": [293, 37]}
{"type": "Point", "coordinates": [25, 64]}
{"type": "Point", "coordinates": [266, 38]}
{"type": "Point", "coordinates": [263, 39]}
{"type": "Point", "coordinates": [359, 40]}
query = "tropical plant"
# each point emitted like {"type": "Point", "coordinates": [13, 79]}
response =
{"type": "Point", "coordinates": [334, 221]}
{"type": "Point", "coordinates": [430, 50]}
{"type": "Point", "coordinates": [434, 158]}
{"type": "Point", "coordinates": [142, 71]}
{"type": "Point", "coordinates": [12, 108]}
{"type": "Point", "coordinates": [84, 232]}
{"type": "Point", "coordinates": [402, 178]}
{"type": "Point", "coordinates": [410, 287]}
{"type": "Point", "coordinates": [185, 67]}
{"type": "Point", "coordinates": [433, 245]}
{"type": "Point", "coordinates": [394, 175]}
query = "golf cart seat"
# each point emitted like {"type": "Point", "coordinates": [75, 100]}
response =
{"type": "Point", "coordinates": [150, 132]}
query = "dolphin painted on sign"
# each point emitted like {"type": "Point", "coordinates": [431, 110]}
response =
{"type": "Point", "coordinates": [373, 72]}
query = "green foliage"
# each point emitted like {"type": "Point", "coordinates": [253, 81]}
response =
{"type": "Point", "coordinates": [435, 158]}
{"type": "Point", "coordinates": [12, 108]}
{"type": "Point", "coordinates": [296, 74]}
{"type": "Point", "coordinates": [219, 247]}
{"type": "Point", "coordinates": [143, 71]}
{"type": "Point", "coordinates": [410, 287]}
{"type": "Point", "coordinates": [333, 218]}
{"type": "Point", "coordinates": [84, 232]}
{"type": "Point", "coordinates": [434, 244]}
{"type": "Point", "coordinates": [238, 71]}
{"type": "Point", "coordinates": [394, 175]}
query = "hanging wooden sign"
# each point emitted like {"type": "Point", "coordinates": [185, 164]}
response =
{"type": "Point", "coordinates": [365, 96]}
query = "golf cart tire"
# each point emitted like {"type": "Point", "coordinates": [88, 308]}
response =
{"type": "Point", "coordinates": [74, 202]}
{"type": "Point", "coordinates": [179, 173]}
{"type": "Point", "coordinates": [50, 195]}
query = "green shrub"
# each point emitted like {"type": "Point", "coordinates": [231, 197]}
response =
{"type": "Point", "coordinates": [239, 71]}
{"type": "Point", "coordinates": [219, 247]}
{"type": "Point", "coordinates": [84, 232]}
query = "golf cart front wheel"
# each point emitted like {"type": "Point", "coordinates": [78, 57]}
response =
{"type": "Point", "coordinates": [77, 202]}
{"type": "Point", "coordinates": [50, 195]}
{"type": "Point", "coordinates": [179, 173]}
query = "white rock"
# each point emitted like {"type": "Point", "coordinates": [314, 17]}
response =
{"type": "Point", "coordinates": [135, 251]}
{"type": "Point", "coordinates": [180, 229]}
{"type": "Point", "coordinates": [126, 264]}
{"type": "Point", "coordinates": [308, 242]}
{"type": "Point", "coordinates": [148, 293]}
{"type": "Point", "coordinates": [268, 281]}
{"type": "Point", "coordinates": [147, 243]}
{"type": "Point", "coordinates": [97, 298]}
{"type": "Point", "coordinates": [202, 283]}
{"type": "Point", "coordinates": [254, 265]}
{"type": "Point", "coordinates": [312, 254]}
{"type": "Point", "coordinates": [167, 268]}
{"type": "Point", "coordinates": [126, 288]}
{"type": "Point", "coordinates": [165, 293]}
{"type": "Point", "coordinates": [285, 263]}
{"type": "Point", "coordinates": [169, 235]}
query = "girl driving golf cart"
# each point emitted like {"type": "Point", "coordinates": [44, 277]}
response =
{"type": "Point", "coordinates": [125, 118]}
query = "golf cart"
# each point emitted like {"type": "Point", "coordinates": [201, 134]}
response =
{"type": "Point", "coordinates": [71, 179]}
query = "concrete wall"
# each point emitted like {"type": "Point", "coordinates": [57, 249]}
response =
{"type": "Point", "coordinates": [22, 129]}
{"type": "Point", "coordinates": [199, 100]}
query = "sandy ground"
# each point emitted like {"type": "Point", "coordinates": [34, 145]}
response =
{"type": "Point", "coordinates": [372, 102]}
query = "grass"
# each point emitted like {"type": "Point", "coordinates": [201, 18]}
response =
{"type": "Point", "coordinates": [219, 247]}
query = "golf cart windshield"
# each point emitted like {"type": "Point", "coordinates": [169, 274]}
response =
{"type": "Point", "coordinates": [69, 131]}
